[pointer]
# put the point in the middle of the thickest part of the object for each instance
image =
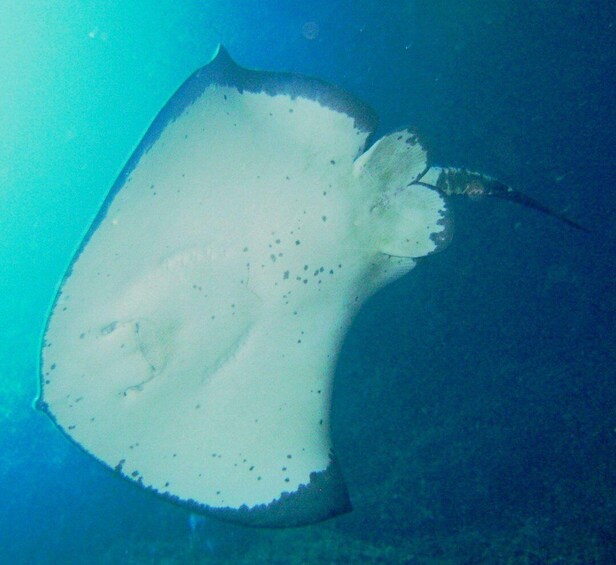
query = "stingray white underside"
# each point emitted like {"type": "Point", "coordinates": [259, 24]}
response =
{"type": "Point", "coordinates": [193, 342]}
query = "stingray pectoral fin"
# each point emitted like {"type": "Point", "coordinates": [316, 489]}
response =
{"type": "Point", "coordinates": [217, 403]}
{"type": "Point", "coordinates": [452, 181]}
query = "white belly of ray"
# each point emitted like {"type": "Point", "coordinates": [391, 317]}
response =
{"type": "Point", "coordinates": [193, 344]}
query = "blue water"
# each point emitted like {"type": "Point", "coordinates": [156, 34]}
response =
{"type": "Point", "coordinates": [474, 410]}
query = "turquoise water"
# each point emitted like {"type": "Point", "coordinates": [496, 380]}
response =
{"type": "Point", "coordinates": [474, 403]}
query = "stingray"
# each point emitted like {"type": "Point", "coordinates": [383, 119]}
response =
{"type": "Point", "coordinates": [192, 343]}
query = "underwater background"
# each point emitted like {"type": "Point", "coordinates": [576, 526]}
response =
{"type": "Point", "coordinates": [475, 399]}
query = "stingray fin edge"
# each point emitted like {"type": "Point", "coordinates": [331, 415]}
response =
{"type": "Point", "coordinates": [324, 497]}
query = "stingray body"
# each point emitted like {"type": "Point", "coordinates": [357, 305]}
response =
{"type": "Point", "coordinates": [192, 343]}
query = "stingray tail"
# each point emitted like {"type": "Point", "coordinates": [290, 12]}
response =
{"type": "Point", "coordinates": [505, 192]}
{"type": "Point", "coordinates": [450, 181]}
